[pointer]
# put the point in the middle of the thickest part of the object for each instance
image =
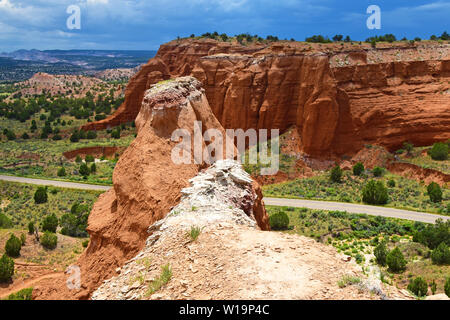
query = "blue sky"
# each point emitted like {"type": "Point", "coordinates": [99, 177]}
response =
{"type": "Point", "coordinates": [145, 24]}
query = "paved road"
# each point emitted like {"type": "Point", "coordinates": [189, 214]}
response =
{"type": "Point", "coordinates": [61, 184]}
{"type": "Point", "coordinates": [356, 208]}
{"type": "Point", "coordinates": [320, 205]}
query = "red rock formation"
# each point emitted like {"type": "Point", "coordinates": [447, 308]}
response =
{"type": "Point", "coordinates": [147, 185]}
{"type": "Point", "coordinates": [340, 99]}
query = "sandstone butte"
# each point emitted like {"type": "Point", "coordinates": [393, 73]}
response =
{"type": "Point", "coordinates": [147, 185]}
{"type": "Point", "coordinates": [338, 97]}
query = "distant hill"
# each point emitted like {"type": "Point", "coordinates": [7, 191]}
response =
{"type": "Point", "coordinates": [21, 65]}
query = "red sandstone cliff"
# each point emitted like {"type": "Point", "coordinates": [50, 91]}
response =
{"type": "Point", "coordinates": [147, 185]}
{"type": "Point", "coordinates": [339, 98]}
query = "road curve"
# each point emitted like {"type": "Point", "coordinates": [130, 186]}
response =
{"type": "Point", "coordinates": [310, 204]}
{"type": "Point", "coordinates": [356, 208]}
{"type": "Point", "coordinates": [54, 183]}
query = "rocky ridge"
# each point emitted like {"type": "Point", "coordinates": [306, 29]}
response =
{"type": "Point", "coordinates": [147, 185]}
{"type": "Point", "coordinates": [232, 258]}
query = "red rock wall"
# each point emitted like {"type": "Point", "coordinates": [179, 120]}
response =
{"type": "Point", "coordinates": [336, 110]}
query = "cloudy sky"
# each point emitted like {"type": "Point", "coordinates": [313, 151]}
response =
{"type": "Point", "coordinates": [145, 24]}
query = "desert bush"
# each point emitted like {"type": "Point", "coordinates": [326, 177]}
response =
{"type": "Point", "coordinates": [391, 183]}
{"type": "Point", "coordinates": [50, 223]}
{"type": "Point", "coordinates": [89, 158]}
{"type": "Point", "coordinates": [115, 134]}
{"type": "Point", "coordinates": [358, 169]}
{"type": "Point", "coordinates": [434, 192]}
{"type": "Point", "coordinates": [78, 159]}
{"type": "Point", "coordinates": [279, 221]}
{"type": "Point", "coordinates": [434, 234]}
{"type": "Point", "coordinates": [396, 261]}
{"type": "Point", "coordinates": [49, 240]}
{"type": "Point", "coordinates": [380, 253]}
{"type": "Point", "coordinates": [194, 233]}
{"type": "Point", "coordinates": [75, 137]}
{"type": "Point", "coordinates": [23, 238]}
{"type": "Point", "coordinates": [31, 227]}
{"type": "Point", "coordinates": [439, 151]}
{"type": "Point", "coordinates": [374, 192]}
{"type": "Point", "coordinates": [84, 170]}
{"type": "Point", "coordinates": [441, 255]}
{"type": "Point", "coordinates": [91, 135]}
{"type": "Point", "coordinates": [24, 294]}
{"type": "Point", "coordinates": [13, 246]}
{"type": "Point", "coordinates": [408, 146]}
{"type": "Point", "coordinates": [418, 286]}
{"type": "Point", "coordinates": [5, 222]}
{"type": "Point", "coordinates": [85, 243]}
{"type": "Point", "coordinates": [61, 172]}
{"type": "Point", "coordinates": [6, 268]}
{"type": "Point", "coordinates": [40, 196]}
{"type": "Point", "coordinates": [336, 174]}
{"type": "Point", "coordinates": [377, 172]}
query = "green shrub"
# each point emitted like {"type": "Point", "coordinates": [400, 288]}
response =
{"type": "Point", "coordinates": [89, 158]}
{"type": "Point", "coordinates": [441, 255]}
{"type": "Point", "coordinates": [391, 183]}
{"type": "Point", "coordinates": [49, 240]}
{"type": "Point", "coordinates": [377, 172]}
{"type": "Point", "coordinates": [409, 147]}
{"type": "Point", "coordinates": [6, 268]}
{"type": "Point", "coordinates": [336, 174]}
{"type": "Point", "coordinates": [447, 287]}
{"type": "Point", "coordinates": [23, 238]}
{"type": "Point", "coordinates": [13, 246]}
{"type": "Point", "coordinates": [374, 192]}
{"type": "Point", "coordinates": [434, 192]}
{"type": "Point", "coordinates": [93, 168]}
{"type": "Point", "coordinates": [40, 196]}
{"type": "Point", "coordinates": [91, 135]}
{"type": "Point", "coordinates": [84, 170]}
{"type": "Point", "coordinates": [434, 234]}
{"type": "Point", "coordinates": [418, 286]}
{"type": "Point", "coordinates": [5, 222]}
{"type": "Point", "coordinates": [31, 227]}
{"type": "Point", "coordinates": [50, 223]}
{"type": "Point", "coordinates": [24, 294]}
{"type": "Point", "coordinates": [279, 221]}
{"type": "Point", "coordinates": [439, 151]}
{"type": "Point", "coordinates": [78, 159]}
{"type": "Point", "coordinates": [75, 137]}
{"type": "Point", "coordinates": [194, 233]}
{"type": "Point", "coordinates": [358, 169]}
{"type": "Point", "coordinates": [61, 172]}
{"type": "Point", "coordinates": [396, 261]}
{"type": "Point", "coordinates": [115, 134]}
{"type": "Point", "coordinates": [380, 253]}
{"type": "Point", "coordinates": [85, 243]}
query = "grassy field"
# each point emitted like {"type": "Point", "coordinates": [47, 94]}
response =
{"type": "Point", "coordinates": [17, 202]}
{"type": "Point", "coordinates": [357, 235]}
{"type": "Point", "coordinates": [420, 157]}
{"type": "Point", "coordinates": [39, 158]}
{"type": "Point", "coordinates": [407, 194]}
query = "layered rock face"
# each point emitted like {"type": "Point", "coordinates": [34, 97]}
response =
{"type": "Point", "coordinates": [339, 100]}
{"type": "Point", "coordinates": [147, 185]}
